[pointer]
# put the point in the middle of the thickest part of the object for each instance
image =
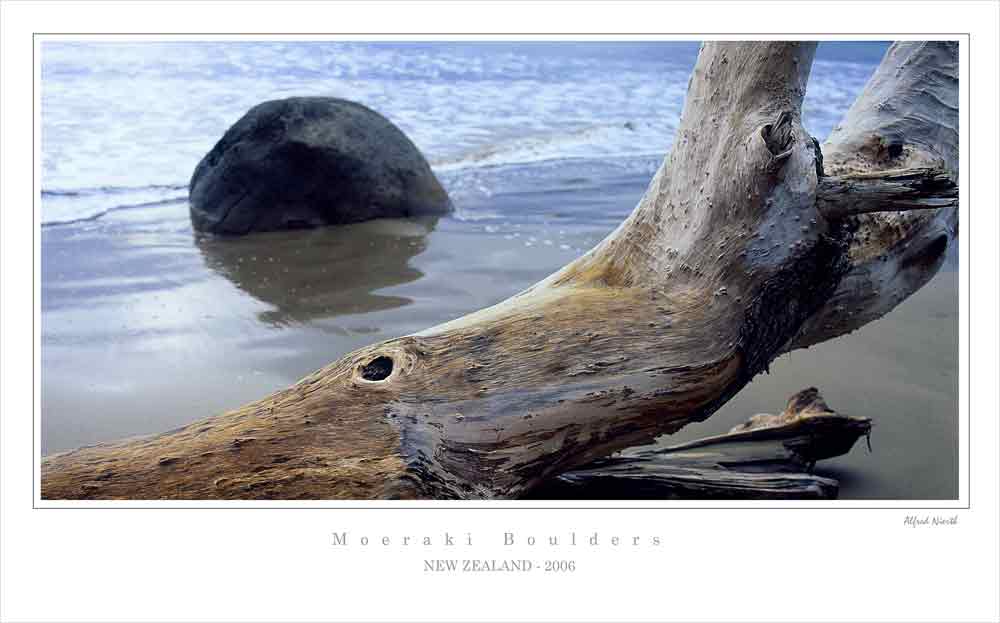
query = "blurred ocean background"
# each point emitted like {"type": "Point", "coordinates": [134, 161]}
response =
{"type": "Point", "coordinates": [544, 147]}
{"type": "Point", "coordinates": [124, 124]}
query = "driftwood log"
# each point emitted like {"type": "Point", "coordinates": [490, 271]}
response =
{"type": "Point", "coordinates": [751, 240]}
{"type": "Point", "coordinates": [767, 457]}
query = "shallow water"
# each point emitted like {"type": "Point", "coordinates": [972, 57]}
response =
{"type": "Point", "coordinates": [146, 327]}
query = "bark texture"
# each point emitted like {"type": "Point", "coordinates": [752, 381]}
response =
{"type": "Point", "coordinates": [729, 259]}
{"type": "Point", "coordinates": [894, 190]}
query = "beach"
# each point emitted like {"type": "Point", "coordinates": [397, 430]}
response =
{"type": "Point", "coordinates": [147, 326]}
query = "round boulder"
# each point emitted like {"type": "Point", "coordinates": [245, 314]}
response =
{"type": "Point", "coordinates": [311, 161]}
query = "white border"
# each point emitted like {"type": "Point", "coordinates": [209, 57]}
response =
{"type": "Point", "coordinates": [201, 564]}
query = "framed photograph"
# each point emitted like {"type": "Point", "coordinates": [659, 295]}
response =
{"type": "Point", "coordinates": [406, 311]}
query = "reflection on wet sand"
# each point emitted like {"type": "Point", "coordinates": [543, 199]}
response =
{"type": "Point", "coordinates": [321, 273]}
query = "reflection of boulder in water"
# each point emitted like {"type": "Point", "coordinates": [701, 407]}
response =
{"type": "Point", "coordinates": [322, 273]}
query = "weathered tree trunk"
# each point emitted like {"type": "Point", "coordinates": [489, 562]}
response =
{"type": "Point", "coordinates": [906, 118]}
{"type": "Point", "coordinates": [734, 254]}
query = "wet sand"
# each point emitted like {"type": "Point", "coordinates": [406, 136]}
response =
{"type": "Point", "coordinates": [146, 327]}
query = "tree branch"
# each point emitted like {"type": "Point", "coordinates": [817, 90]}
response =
{"type": "Point", "coordinates": [768, 457]}
{"type": "Point", "coordinates": [894, 190]}
{"type": "Point", "coordinates": [905, 118]}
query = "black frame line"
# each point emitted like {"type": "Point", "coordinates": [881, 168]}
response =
{"type": "Point", "coordinates": [475, 505]}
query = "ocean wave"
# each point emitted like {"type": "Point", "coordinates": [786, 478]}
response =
{"type": "Point", "coordinates": [66, 206]}
{"type": "Point", "coordinates": [627, 139]}
{"type": "Point", "coordinates": [108, 190]}
{"type": "Point", "coordinates": [117, 115]}
{"type": "Point", "coordinates": [460, 152]}
{"type": "Point", "coordinates": [625, 145]}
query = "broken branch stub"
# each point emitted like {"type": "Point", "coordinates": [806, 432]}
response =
{"type": "Point", "coordinates": [724, 259]}
{"type": "Point", "coordinates": [894, 190]}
